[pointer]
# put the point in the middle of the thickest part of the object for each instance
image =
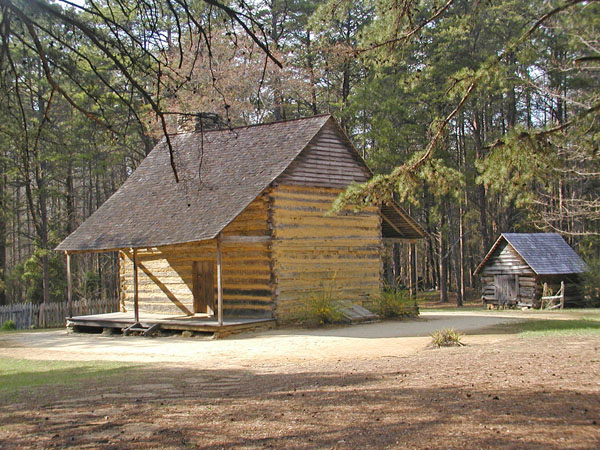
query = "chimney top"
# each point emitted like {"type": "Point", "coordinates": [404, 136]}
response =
{"type": "Point", "coordinates": [200, 121]}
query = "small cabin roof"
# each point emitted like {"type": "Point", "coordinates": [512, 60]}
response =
{"type": "Point", "coordinates": [545, 253]}
{"type": "Point", "coordinates": [221, 172]}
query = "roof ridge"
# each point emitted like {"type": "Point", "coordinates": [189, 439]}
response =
{"type": "Point", "coordinates": [275, 122]}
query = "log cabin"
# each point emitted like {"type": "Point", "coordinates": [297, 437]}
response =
{"type": "Point", "coordinates": [247, 233]}
{"type": "Point", "coordinates": [518, 264]}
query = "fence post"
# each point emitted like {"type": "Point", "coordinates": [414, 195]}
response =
{"type": "Point", "coordinates": [562, 295]}
{"type": "Point", "coordinates": [544, 294]}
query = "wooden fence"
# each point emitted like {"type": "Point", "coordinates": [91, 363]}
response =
{"type": "Point", "coordinates": [555, 301]}
{"type": "Point", "coordinates": [28, 315]}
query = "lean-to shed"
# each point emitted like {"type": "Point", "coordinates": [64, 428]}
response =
{"type": "Point", "coordinates": [518, 264]}
{"type": "Point", "coordinates": [246, 233]}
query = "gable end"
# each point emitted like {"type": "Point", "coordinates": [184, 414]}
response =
{"type": "Point", "coordinates": [505, 261]}
{"type": "Point", "coordinates": [328, 161]}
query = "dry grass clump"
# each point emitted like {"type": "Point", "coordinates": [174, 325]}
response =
{"type": "Point", "coordinates": [447, 337]}
{"type": "Point", "coordinates": [322, 307]}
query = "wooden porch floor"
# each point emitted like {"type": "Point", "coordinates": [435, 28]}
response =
{"type": "Point", "coordinates": [198, 322]}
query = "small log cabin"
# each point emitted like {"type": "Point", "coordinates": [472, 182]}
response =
{"type": "Point", "coordinates": [247, 232]}
{"type": "Point", "coordinates": [518, 264]}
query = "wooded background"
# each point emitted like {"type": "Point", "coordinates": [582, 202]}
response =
{"type": "Point", "coordinates": [480, 116]}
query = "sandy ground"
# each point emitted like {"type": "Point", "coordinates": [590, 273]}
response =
{"type": "Point", "coordinates": [369, 386]}
{"type": "Point", "coordinates": [391, 338]}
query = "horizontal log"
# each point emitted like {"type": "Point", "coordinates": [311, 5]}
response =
{"type": "Point", "coordinates": [308, 293]}
{"type": "Point", "coordinates": [319, 218]}
{"type": "Point", "coordinates": [307, 285]}
{"type": "Point", "coordinates": [227, 239]}
{"type": "Point", "coordinates": [321, 264]}
{"type": "Point", "coordinates": [318, 261]}
{"type": "Point", "coordinates": [326, 232]}
{"type": "Point", "coordinates": [248, 272]}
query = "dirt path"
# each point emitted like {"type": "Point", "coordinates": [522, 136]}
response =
{"type": "Point", "coordinates": [534, 393]}
{"type": "Point", "coordinates": [393, 338]}
{"type": "Point", "coordinates": [368, 386]}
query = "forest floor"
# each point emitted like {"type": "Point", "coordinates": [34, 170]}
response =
{"type": "Point", "coordinates": [523, 380]}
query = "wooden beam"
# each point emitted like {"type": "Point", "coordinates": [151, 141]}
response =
{"type": "Point", "coordinates": [136, 306]}
{"type": "Point", "coordinates": [414, 225]}
{"type": "Point", "coordinates": [72, 252]}
{"type": "Point", "coordinates": [219, 281]}
{"type": "Point", "coordinates": [69, 286]}
{"type": "Point", "coordinates": [391, 224]}
{"type": "Point", "coordinates": [389, 240]}
{"type": "Point", "coordinates": [244, 239]}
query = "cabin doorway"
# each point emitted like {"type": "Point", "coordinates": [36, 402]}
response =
{"type": "Point", "coordinates": [203, 284]}
{"type": "Point", "coordinates": [507, 289]}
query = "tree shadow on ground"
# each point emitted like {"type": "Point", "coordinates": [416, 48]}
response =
{"type": "Point", "coordinates": [159, 407]}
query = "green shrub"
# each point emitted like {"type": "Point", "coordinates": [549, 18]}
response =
{"type": "Point", "coordinates": [8, 325]}
{"type": "Point", "coordinates": [393, 303]}
{"type": "Point", "coordinates": [447, 337]}
{"type": "Point", "coordinates": [320, 308]}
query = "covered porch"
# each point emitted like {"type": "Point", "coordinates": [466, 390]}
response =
{"type": "Point", "coordinates": [149, 324]}
{"type": "Point", "coordinates": [196, 297]}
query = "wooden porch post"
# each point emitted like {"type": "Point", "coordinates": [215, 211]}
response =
{"type": "Point", "coordinates": [135, 287]}
{"type": "Point", "coordinates": [69, 286]}
{"type": "Point", "coordinates": [219, 281]}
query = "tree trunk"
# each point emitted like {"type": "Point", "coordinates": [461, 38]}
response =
{"type": "Point", "coordinates": [457, 273]}
{"type": "Point", "coordinates": [3, 219]}
{"type": "Point", "coordinates": [70, 199]}
{"type": "Point", "coordinates": [460, 272]}
{"type": "Point", "coordinates": [443, 260]}
{"type": "Point", "coordinates": [397, 264]}
{"type": "Point", "coordinates": [311, 73]}
{"type": "Point", "coordinates": [413, 269]}
{"type": "Point", "coordinates": [388, 271]}
{"type": "Point", "coordinates": [43, 207]}
{"type": "Point", "coordinates": [481, 197]}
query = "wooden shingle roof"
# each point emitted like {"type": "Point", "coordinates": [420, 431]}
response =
{"type": "Point", "coordinates": [222, 172]}
{"type": "Point", "coordinates": [545, 253]}
{"type": "Point", "coordinates": [151, 209]}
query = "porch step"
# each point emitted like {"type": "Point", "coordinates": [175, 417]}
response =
{"type": "Point", "coordinates": [139, 328]}
{"type": "Point", "coordinates": [356, 313]}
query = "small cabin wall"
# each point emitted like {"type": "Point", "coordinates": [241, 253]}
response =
{"type": "Point", "coordinates": [165, 273]}
{"type": "Point", "coordinates": [573, 294]}
{"type": "Point", "coordinates": [506, 262]}
{"type": "Point", "coordinates": [314, 252]}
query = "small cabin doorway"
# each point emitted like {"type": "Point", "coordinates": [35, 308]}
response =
{"type": "Point", "coordinates": [507, 289]}
{"type": "Point", "coordinates": [203, 285]}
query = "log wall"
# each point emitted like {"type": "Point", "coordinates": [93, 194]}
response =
{"type": "Point", "coordinates": [165, 273]}
{"type": "Point", "coordinates": [313, 251]}
{"type": "Point", "coordinates": [506, 261]}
